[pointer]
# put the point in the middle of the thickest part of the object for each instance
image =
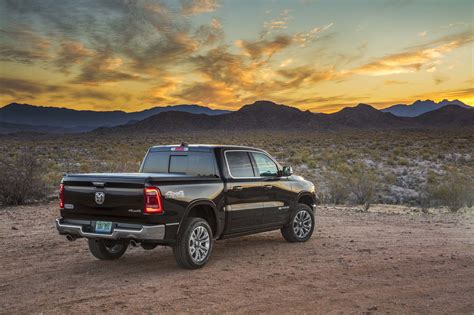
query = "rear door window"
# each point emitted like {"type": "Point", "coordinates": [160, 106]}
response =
{"type": "Point", "coordinates": [239, 164]}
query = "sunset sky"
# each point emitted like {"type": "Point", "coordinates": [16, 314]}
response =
{"type": "Point", "coordinates": [317, 55]}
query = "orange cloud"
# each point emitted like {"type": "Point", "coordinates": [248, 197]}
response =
{"type": "Point", "coordinates": [415, 59]}
{"type": "Point", "coordinates": [264, 48]}
{"type": "Point", "coordinates": [208, 93]}
{"type": "Point", "coordinates": [193, 7]}
{"type": "Point", "coordinates": [71, 53]}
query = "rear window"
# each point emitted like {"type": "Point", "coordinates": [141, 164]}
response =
{"type": "Point", "coordinates": [189, 163]}
{"type": "Point", "coordinates": [239, 164]}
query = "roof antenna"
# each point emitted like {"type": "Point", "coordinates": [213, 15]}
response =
{"type": "Point", "coordinates": [184, 144]}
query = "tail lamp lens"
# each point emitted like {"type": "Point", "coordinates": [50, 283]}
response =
{"type": "Point", "coordinates": [61, 196]}
{"type": "Point", "coordinates": [152, 200]}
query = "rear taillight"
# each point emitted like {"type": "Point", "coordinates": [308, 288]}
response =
{"type": "Point", "coordinates": [152, 201]}
{"type": "Point", "coordinates": [61, 196]}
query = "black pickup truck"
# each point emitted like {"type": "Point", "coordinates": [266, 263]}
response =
{"type": "Point", "coordinates": [186, 196]}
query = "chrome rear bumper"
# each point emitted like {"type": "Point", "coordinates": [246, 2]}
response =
{"type": "Point", "coordinates": [137, 232]}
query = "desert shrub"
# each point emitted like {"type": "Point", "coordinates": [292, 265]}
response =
{"type": "Point", "coordinates": [361, 182]}
{"type": "Point", "coordinates": [337, 189]}
{"type": "Point", "coordinates": [21, 179]}
{"type": "Point", "coordinates": [453, 190]}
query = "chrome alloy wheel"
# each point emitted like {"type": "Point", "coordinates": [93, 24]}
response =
{"type": "Point", "coordinates": [199, 243]}
{"type": "Point", "coordinates": [302, 223]}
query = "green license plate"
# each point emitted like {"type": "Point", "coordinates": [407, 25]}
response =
{"type": "Point", "coordinates": [104, 227]}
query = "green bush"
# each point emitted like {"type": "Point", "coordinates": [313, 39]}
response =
{"type": "Point", "coordinates": [453, 190]}
{"type": "Point", "coordinates": [21, 180]}
{"type": "Point", "coordinates": [337, 189]}
{"type": "Point", "coordinates": [361, 182]}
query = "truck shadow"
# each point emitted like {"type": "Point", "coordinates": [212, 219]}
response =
{"type": "Point", "coordinates": [160, 260]}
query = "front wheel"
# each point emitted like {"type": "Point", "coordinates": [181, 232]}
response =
{"type": "Point", "coordinates": [107, 249]}
{"type": "Point", "coordinates": [194, 244]}
{"type": "Point", "coordinates": [301, 225]}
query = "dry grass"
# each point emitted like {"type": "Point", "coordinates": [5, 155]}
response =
{"type": "Point", "coordinates": [400, 163]}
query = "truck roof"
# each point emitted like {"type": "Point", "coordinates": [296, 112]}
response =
{"type": "Point", "coordinates": [207, 147]}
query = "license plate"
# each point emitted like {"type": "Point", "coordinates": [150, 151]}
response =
{"type": "Point", "coordinates": [103, 227]}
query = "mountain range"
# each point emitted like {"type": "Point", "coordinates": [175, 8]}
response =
{"type": "Point", "coordinates": [420, 107]}
{"type": "Point", "coordinates": [261, 115]}
{"type": "Point", "coordinates": [84, 120]}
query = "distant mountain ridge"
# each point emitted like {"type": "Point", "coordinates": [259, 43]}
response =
{"type": "Point", "coordinates": [268, 116]}
{"type": "Point", "coordinates": [85, 120]}
{"type": "Point", "coordinates": [420, 107]}
{"type": "Point", "coordinates": [260, 115]}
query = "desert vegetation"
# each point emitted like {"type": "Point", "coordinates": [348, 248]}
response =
{"type": "Point", "coordinates": [416, 168]}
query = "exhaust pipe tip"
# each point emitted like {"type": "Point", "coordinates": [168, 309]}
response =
{"type": "Point", "coordinates": [71, 238]}
{"type": "Point", "coordinates": [134, 243]}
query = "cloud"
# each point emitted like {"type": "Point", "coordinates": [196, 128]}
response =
{"type": "Point", "coordinates": [209, 92]}
{"type": "Point", "coordinates": [220, 65]}
{"type": "Point", "coordinates": [194, 7]}
{"type": "Point", "coordinates": [22, 90]}
{"type": "Point", "coordinates": [71, 53]}
{"type": "Point", "coordinates": [278, 23]}
{"type": "Point", "coordinates": [101, 68]}
{"type": "Point", "coordinates": [23, 46]}
{"type": "Point", "coordinates": [415, 58]}
{"type": "Point", "coordinates": [19, 88]}
{"type": "Point", "coordinates": [93, 95]}
{"type": "Point", "coordinates": [208, 35]}
{"type": "Point", "coordinates": [162, 91]}
{"type": "Point", "coordinates": [150, 36]}
{"type": "Point", "coordinates": [296, 76]}
{"type": "Point", "coordinates": [305, 37]}
{"type": "Point", "coordinates": [264, 48]}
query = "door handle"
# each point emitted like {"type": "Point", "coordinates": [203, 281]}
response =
{"type": "Point", "coordinates": [267, 187]}
{"type": "Point", "coordinates": [237, 188]}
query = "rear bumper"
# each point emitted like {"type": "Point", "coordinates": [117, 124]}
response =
{"type": "Point", "coordinates": [82, 228]}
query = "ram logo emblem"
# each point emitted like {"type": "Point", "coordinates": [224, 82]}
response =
{"type": "Point", "coordinates": [99, 197]}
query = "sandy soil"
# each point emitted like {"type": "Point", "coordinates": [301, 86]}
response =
{"type": "Point", "coordinates": [355, 262]}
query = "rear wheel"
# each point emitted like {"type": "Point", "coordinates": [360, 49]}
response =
{"type": "Point", "coordinates": [301, 225]}
{"type": "Point", "coordinates": [194, 244]}
{"type": "Point", "coordinates": [107, 249]}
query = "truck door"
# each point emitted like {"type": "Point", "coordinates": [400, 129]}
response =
{"type": "Point", "coordinates": [244, 192]}
{"type": "Point", "coordinates": [277, 192]}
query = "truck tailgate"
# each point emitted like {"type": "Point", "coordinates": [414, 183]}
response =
{"type": "Point", "coordinates": [116, 195]}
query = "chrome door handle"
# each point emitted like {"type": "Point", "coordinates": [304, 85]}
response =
{"type": "Point", "coordinates": [267, 187]}
{"type": "Point", "coordinates": [237, 188]}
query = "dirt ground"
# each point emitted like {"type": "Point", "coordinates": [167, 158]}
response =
{"type": "Point", "coordinates": [355, 262]}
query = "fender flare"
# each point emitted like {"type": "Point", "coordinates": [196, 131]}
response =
{"type": "Point", "coordinates": [201, 202]}
{"type": "Point", "coordinates": [305, 193]}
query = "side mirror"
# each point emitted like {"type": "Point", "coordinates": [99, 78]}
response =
{"type": "Point", "coordinates": [287, 171]}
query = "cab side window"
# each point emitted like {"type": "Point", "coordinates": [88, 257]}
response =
{"type": "Point", "coordinates": [265, 166]}
{"type": "Point", "coordinates": [239, 164]}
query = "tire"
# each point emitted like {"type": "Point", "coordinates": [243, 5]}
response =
{"type": "Point", "coordinates": [107, 249]}
{"type": "Point", "coordinates": [194, 244]}
{"type": "Point", "coordinates": [301, 225]}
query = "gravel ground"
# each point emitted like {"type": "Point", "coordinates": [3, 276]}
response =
{"type": "Point", "coordinates": [355, 262]}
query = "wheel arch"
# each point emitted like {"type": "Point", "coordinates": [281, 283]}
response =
{"type": "Point", "coordinates": [306, 198]}
{"type": "Point", "coordinates": [205, 209]}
